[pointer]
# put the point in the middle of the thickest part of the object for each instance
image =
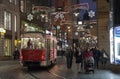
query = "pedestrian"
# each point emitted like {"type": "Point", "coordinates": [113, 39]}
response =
{"type": "Point", "coordinates": [96, 55]}
{"type": "Point", "coordinates": [62, 53]}
{"type": "Point", "coordinates": [79, 59]}
{"type": "Point", "coordinates": [16, 54]}
{"type": "Point", "coordinates": [29, 43]}
{"type": "Point", "coordinates": [104, 57]}
{"type": "Point", "coordinates": [69, 57]}
{"type": "Point", "coordinates": [88, 57]}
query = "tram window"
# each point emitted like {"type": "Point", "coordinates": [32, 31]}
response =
{"type": "Point", "coordinates": [36, 43]}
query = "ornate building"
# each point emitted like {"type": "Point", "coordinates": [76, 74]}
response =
{"type": "Point", "coordinates": [10, 25]}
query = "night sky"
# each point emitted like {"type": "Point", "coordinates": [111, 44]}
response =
{"type": "Point", "coordinates": [92, 6]}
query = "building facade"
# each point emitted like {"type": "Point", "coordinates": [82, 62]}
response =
{"type": "Point", "coordinates": [103, 28]}
{"type": "Point", "coordinates": [10, 22]}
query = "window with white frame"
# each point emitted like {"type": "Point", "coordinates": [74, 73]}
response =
{"type": "Point", "coordinates": [13, 1]}
{"type": "Point", "coordinates": [10, 1]}
{"type": "Point", "coordinates": [22, 6]}
{"type": "Point", "coordinates": [15, 18]}
{"type": "Point", "coordinates": [7, 47]}
{"type": "Point", "coordinates": [7, 20]}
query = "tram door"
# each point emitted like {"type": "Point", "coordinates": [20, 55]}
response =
{"type": "Point", "coordinates": [53, 47]}
{"type": "Point", "coordinates": [48, 49]}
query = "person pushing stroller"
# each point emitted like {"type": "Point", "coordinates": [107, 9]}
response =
{"type": "Point", "coordinates": [88, 60]}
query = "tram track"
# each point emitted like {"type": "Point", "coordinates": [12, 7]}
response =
{"type": "Point", "coordinates": [49, 72]}
{"type": "Point", "coordinates": [35, 77]}
{"type": "Point", "coordinates": [57, 75]}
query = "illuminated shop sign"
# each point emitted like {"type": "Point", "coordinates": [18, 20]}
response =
{"type": "Point", "coordinates": [117, 44]}
{"type": "Point", "coordinates": [117, 31]}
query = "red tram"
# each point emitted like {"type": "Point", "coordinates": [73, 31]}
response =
{"type": "Point", "coordinates": [41, 49]}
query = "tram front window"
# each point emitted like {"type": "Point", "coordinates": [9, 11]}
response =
{"type": "Point", "coordinates": [32, 43]}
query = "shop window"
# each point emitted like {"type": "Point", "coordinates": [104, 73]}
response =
{"type": "Point", "coordinates": [7, 47]}
{"type": "Point", "coordinates": [13, 1]}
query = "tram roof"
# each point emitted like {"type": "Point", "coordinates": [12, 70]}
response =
{"type": "Point", "coordinates": [32, 35]}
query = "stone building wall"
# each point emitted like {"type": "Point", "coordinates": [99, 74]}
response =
{"type": "Point", "coordinates": [10, 35]}
{"type": "Point", "coordinates": [103, 25]}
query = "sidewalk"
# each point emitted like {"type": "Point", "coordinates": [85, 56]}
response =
{"type": "Point", "coordinates": [8, 62]}
{"type": "Point", "coordinates": [112, 67]}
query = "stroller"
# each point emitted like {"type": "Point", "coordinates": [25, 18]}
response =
{"type": "Point", "coordinates": [89, 64]}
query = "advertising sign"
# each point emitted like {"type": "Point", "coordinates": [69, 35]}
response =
{"type": "Point", "coordinates": [117, 44]}
{"type": "Point", "coordinates": [111, 46]}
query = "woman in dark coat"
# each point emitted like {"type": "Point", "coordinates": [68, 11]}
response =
{"type": "Point", "coordinates": [78, 56]}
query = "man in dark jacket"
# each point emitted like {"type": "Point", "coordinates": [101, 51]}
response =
{"type": "Point", "coordinates": [69, 57]}
{"type": "Point", "coordinates": [96, 55]}
{"type": "Point", "coordinates": [104, 57]}
{"type": "Point", "coordinates": [16, 54]}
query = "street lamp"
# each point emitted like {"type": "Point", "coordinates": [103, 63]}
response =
{"type": "Point", "coordinates": [76, 14]}
{"type": "Point", "coordinates": [79, 22]}
{"type": "Point", "coordinates": [2, 32]}
{"type": "Point", "coordinates": [57, 29]}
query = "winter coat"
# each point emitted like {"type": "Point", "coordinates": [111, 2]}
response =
{"type": "Point", "coordinates": [78, 56]}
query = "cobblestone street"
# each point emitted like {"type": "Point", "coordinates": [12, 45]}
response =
{"type": "Point", "coordinates": [14, 70]}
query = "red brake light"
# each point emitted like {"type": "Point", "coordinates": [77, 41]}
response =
{"type": "Point", "coordinates": [42, 57]}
